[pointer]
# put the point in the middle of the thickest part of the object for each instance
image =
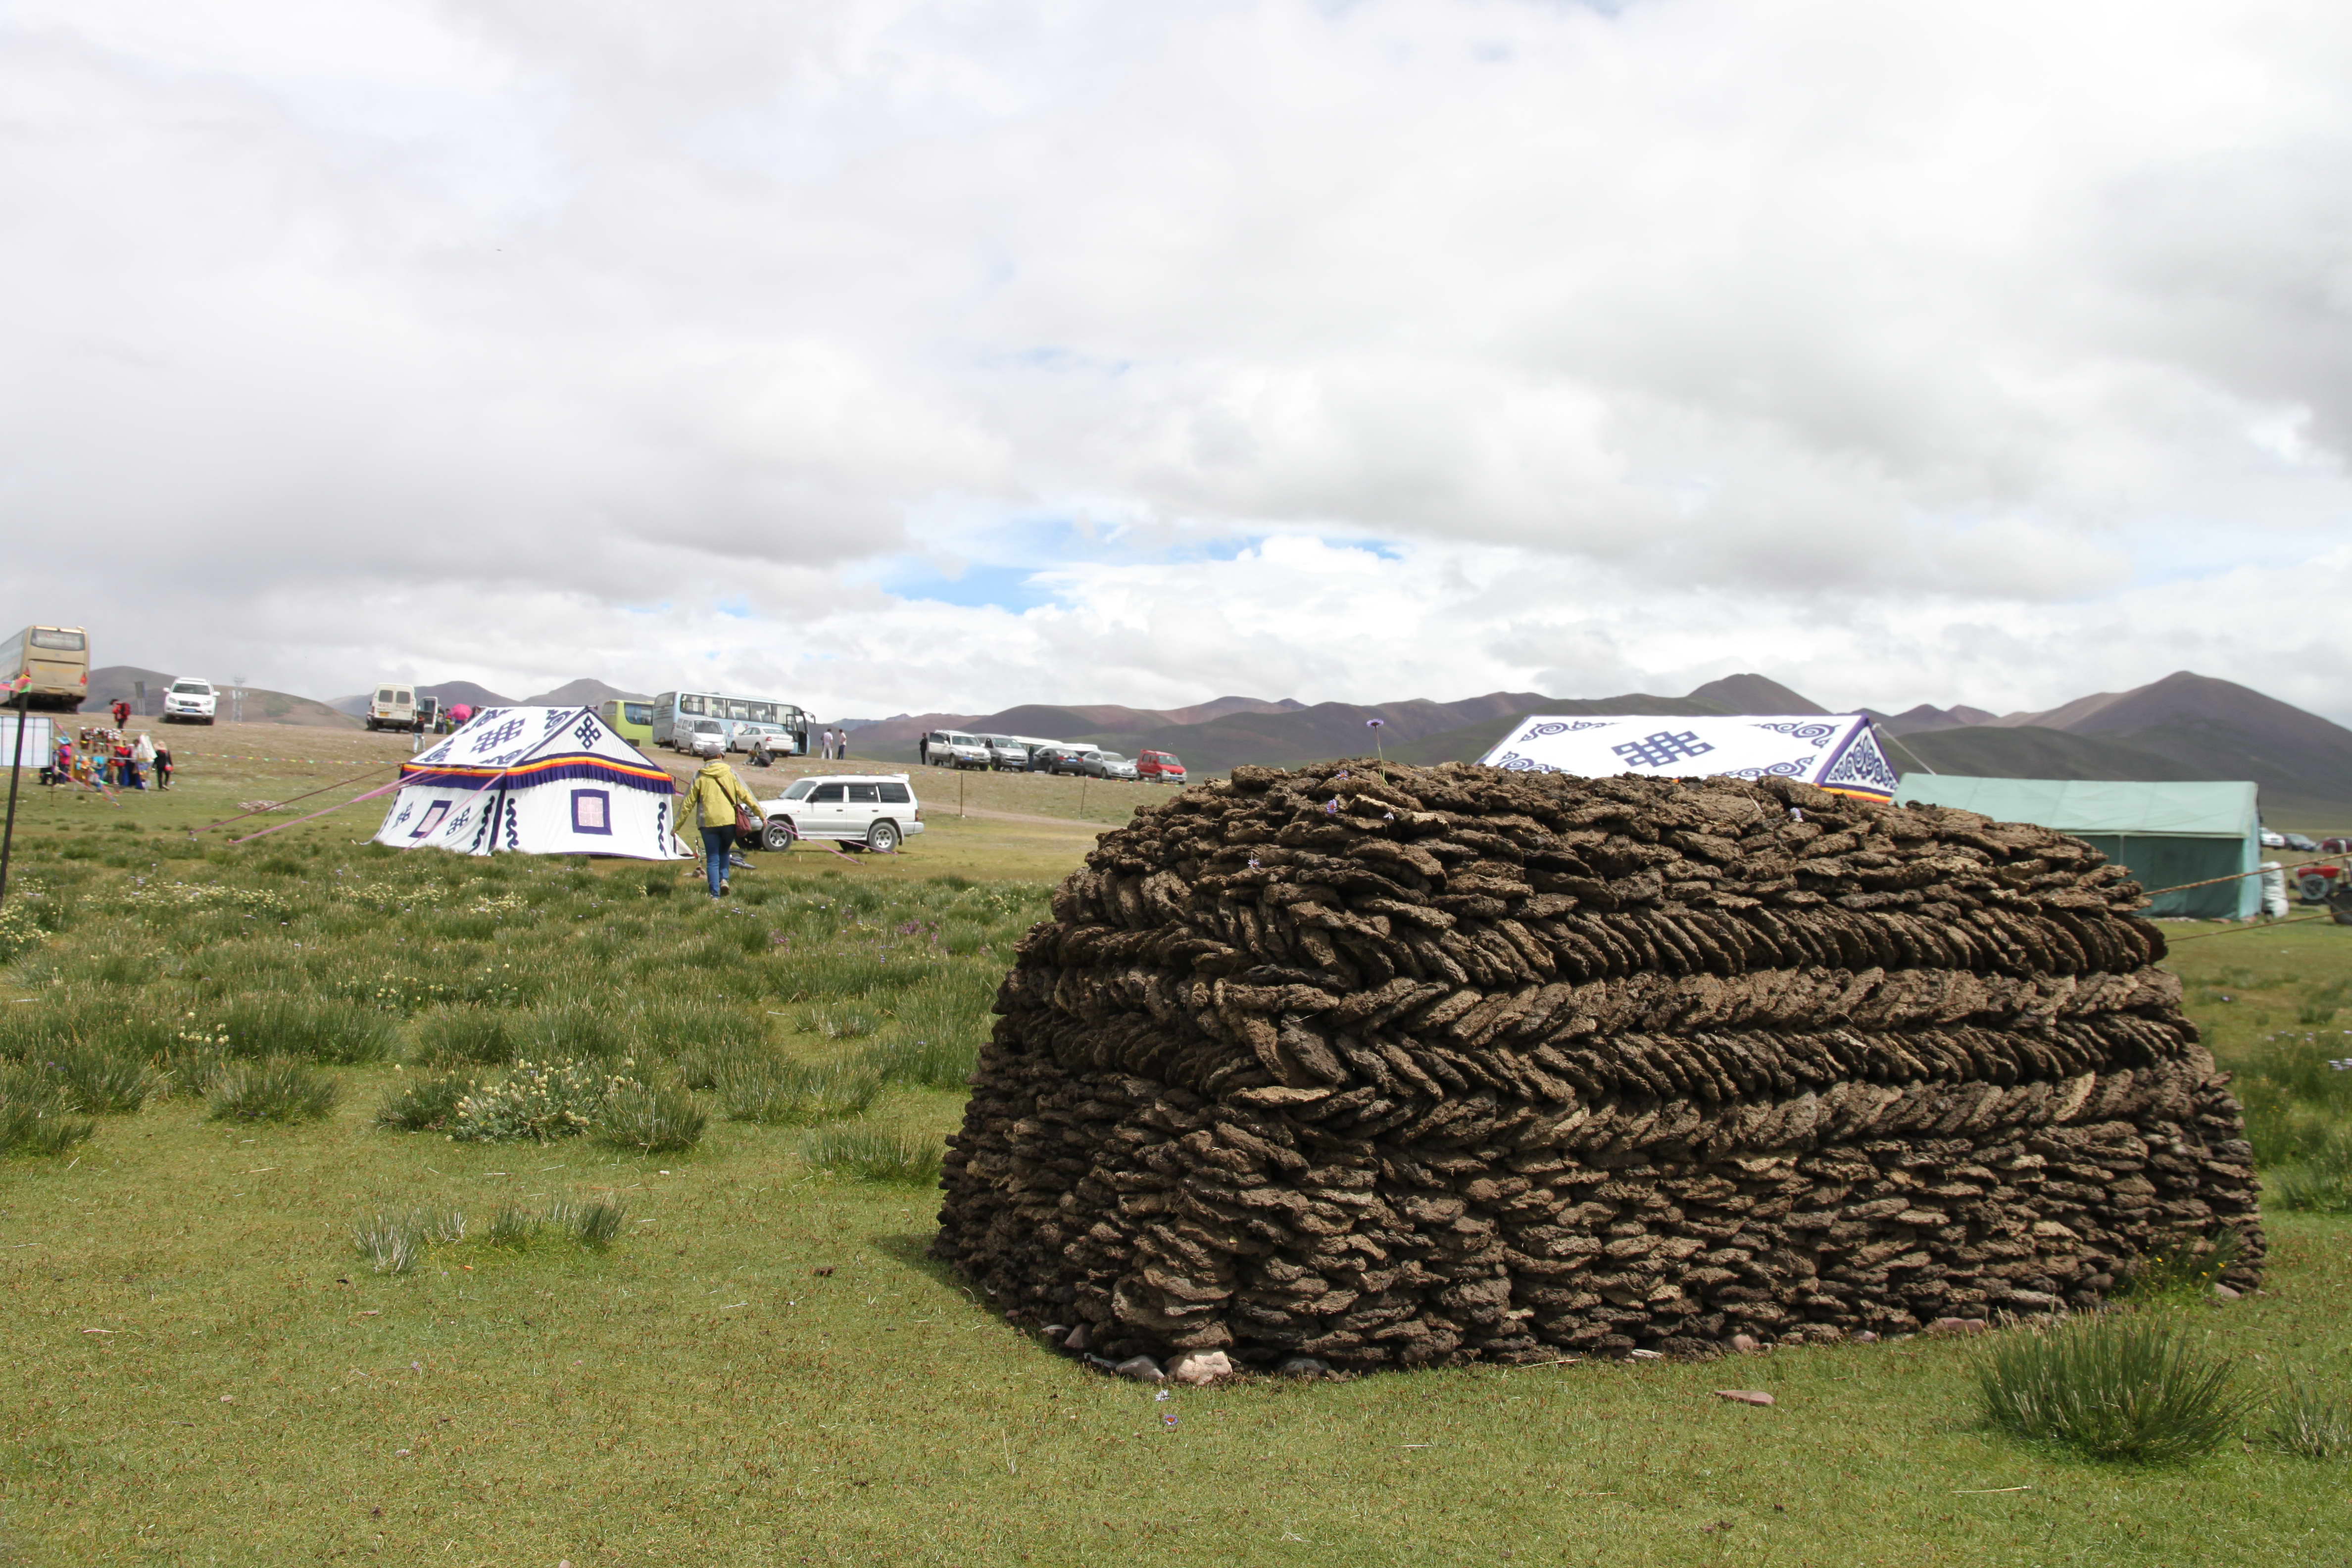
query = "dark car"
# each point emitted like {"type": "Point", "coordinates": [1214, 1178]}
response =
{"type": "Point", "coordinates": [2297, 841]}
{"type": "Point", "coordinates": [1065, 759]}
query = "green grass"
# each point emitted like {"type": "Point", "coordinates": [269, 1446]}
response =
{"type": "Point", "coordinates": [759, 1365]}
{"type": "Point", "coordinates": [2120, 1385]}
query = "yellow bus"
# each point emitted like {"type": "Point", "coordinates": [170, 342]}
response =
{"type": "Point", "coordinates": [634, 721]}
{"type": "Point", "coordinates": [56, 657]}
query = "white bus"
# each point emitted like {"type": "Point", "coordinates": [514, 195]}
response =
{"type": "Point", "coordinates": [742, 717]}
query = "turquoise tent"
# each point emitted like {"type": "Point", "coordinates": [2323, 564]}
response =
{"type": "Point", "coordinates": [2167, 834]}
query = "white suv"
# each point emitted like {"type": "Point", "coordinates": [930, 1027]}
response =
{"type": "Point", "coordinates": [700, 738]}
{"type": "Point", "coordinates": [955, 749]}
{"type": "Point", "coordinates": [878, 810]}
{"type": "Point", "coordinates": [190, 701]}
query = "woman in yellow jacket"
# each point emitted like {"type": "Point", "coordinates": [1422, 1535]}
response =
{"type": "Point", "coordinates": [711, 797]}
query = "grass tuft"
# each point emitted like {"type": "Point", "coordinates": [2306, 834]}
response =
{"type": "Point", "coordinates": [658, 1120]}
{"type": "Point", "coordinates": [2188, 1268]}
{"type": "Point", "coordinates": [513, 1228]}
{"type": "Point", "coordinates": [2310, 1422]}
{"type": "Point", "coordinates": [34, 1119]}
{"type": "Point", "coordinates": [2120, 1386]}
{"type": "Point", "coordinates": [470, 1036]}
{"type": "Point", "coordinates": [424, 1104]}
{"type": "Point", "coordinates": [276, 1090]}
{"type": "Point", "coordinates": [929, 1062]}
{"type": "Point", "coordinates": [594, 1223]}
{"type": "Point", "coordinates": [795, 1094]}
{"type": "Point", "coordinates": [874, 1154]}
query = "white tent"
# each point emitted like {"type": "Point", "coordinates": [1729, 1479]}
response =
{"type": "Point", "coordinates": [1836, 752]}
{"type": "Point", "coordinates": [541, 781]}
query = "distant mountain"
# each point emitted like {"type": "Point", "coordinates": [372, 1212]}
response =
{"type": "Point", "coordinates": [260, 706]}
{"type": "Point", "coordinates": [1753, 694]}
{"type": "Point", "coordinates": [452, 692]}
{"type": "Point", "coordinates": [585, 692]}
{"type": "Point", "coordinates": [1925, 717]}
{"type": "Point", "coordinates": [2186, 726]}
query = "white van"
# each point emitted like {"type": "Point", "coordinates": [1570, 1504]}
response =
{"type": "Point", "coordinates": [954, 749]}
{"type": "Point", "coordinates": [190, 699]}
{"type": "Point", "coordinates": [878, 810]}
{"type": "Point", "coordinates": [393, 707]}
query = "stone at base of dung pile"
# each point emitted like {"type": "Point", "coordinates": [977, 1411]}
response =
{"type": "Point", "coordinates": [1386, 1066]}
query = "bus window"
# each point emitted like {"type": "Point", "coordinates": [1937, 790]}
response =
{"type": "Point", "coordinates": [637, 712]}
{"type": "Point", "coordinates": [53, 637]}
{"type": "Point", "coordinates": [689, 704]}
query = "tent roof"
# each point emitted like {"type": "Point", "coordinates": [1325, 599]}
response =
{"type": "Point", "coordinates": [1834, 751]}
{"type": "Point", "coordinates": [2224, 810]}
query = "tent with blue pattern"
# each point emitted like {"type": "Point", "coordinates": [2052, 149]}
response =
{"type": "Point", "coordinates": [1836, 752]}
{"type": "Point", "coordinates": [535, 781]}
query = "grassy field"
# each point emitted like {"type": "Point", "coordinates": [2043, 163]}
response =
{"type": "Point", "coordinates": [761, 1366]}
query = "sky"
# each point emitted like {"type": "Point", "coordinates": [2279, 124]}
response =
{"type": "Point", "coordinates": [896, 356]}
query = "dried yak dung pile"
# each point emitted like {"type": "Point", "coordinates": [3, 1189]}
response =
{"type": "Point", "coordinates": [1398, 1066]}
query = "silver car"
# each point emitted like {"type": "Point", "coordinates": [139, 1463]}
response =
{"type": "Point", "coordinates": [1006, 754]}
{"type": "Point", "coordinates": [703, 737]}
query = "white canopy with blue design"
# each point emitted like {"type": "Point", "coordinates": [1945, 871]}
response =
{"type": "Point", "coordinates": [1836, 750]}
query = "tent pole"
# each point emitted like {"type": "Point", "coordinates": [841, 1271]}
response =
{"type": "Point", "coordinates": [1894, 740]}
{"type": "Point", "coordinates": [16, 770]}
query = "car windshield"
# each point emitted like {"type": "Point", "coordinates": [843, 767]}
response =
{"type": "Point", "coordinates": [800, 791]}
{"type": "Point", "coordinates": [192, 687]}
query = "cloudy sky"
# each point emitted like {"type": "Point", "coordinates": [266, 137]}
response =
{"type": "Point", "coordinates": [896, 355]}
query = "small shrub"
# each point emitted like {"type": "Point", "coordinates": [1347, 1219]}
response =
{"type": "Point", "coordinates": [2118, 1386]}
{"type": "Point", "coordinates": [424, 1104]}
{"type": "Point", "coordinates": [789, 1094]}
{"type": "Point", "coordinates": [2313, 1188]}
{"type": "Point", "coordinates": [275, 1089]}
{"type": "Point", "coordinates": [2310, 1422]}
{"type": "Point", "coordinates": [659, 1121]}
{"type": "Point", "coordinates": [472, 1035]}
{"type": "Point", "coordinates": [593, 1223]}
{"type": "Point", "coordinates": [512, 1228]}
{"type": "Point", "coordinates": [930, 1063]}
{"type": "Point", "coordinates": [872, 1155]}
{"type": "Point", "coordinates": [537, 1100]}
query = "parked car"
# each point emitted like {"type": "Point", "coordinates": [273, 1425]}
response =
{"type": "Point", "coordinates": [190, 699]}
{"type": "Point", "coordinates": [1160, 767]}
{"type": "Point", "coordinates": [701, 737]}
{"type": "Point", "coordinates": [1006, 754]}
{"type": "Point", "coordinates": [1059, 760]}
{"type": "Point", "coordinates": [953, 749]}
{"type": "Point", "coordinates": [2274, 840]}
{"type": "Point", "coordinates": [1098, 764]}
{"type": "Point", "coordinates": [876, 810]}
{"type": "Point", "coordinates": [743, 732]}
{"type": "Point", "coordinates": [2298, 842]}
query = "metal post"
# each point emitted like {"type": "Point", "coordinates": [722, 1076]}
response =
{"type": "Point", "coordinates": [958, 789]}
{"type": "Point", "coordinates": [15, 771]}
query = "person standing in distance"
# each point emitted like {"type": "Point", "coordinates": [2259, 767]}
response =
{"type": "Point", "coordinates": [711, 797]}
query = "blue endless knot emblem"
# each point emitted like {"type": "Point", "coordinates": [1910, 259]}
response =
{"type": "Point", "coordinates": [493, 739]}
{"type": "Point", "coordinates": [586, 732]}
{"type": "Point", "coordinates": [1657, 750]}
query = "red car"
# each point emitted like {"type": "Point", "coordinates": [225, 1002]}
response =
{"type": "Point", "coordinates": [1162, 767]}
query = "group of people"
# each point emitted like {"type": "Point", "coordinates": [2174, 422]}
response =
{"type": "Point", "coordinates": [105, 760]}
{"type": "Point", "coordinates": [833, 744]}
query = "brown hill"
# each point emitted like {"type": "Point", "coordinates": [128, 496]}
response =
{"type": "Point", "coordinates": [585, 692]}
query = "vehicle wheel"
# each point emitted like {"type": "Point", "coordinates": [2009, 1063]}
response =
{"type": "Point", "coordinates": [778, 835]}
{"type": "Point", "coordinates": [2313, 887]}
{"type": "Point", "coordinates": [882, 837]}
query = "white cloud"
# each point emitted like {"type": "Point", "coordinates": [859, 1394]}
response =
{"type": "Point", "coordinates": [1901, 351]}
